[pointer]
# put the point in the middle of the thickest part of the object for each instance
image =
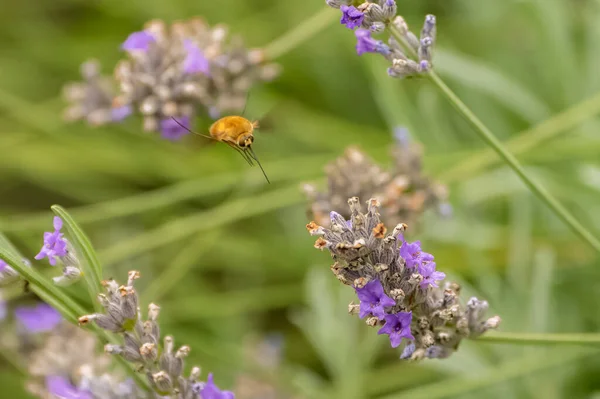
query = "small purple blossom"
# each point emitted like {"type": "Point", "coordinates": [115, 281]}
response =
{"type": "Point", "coordinates": [211, 391]}
{"type": "Point", "coordinates": [351, 17]}
{"type": "Point", "coordinates": [195, 61]}
{"type": "Point", "coordinates": [54, 244]}
{"type": "Point", "coordinates": [3, 265]}
{"type": "Point", "coordinates": [413, 254]}
{"type": "Point", "coordinates": [373, 300]}
{"type": "Point", "coordinates": [390, 3]}
{"type": "Point", "coordinates": [398, 327]}
{"type": "Point", "coordinates": [117, 114]}
{"type": "Point", "coordinates": [39, 318]}
{"type": "Point", "coordinates": [402, 136]}
{"type": "Point", "coordinates": [408, 351]}
{"type": "Point", "coordinates": [171, 130]}
{"type": "Point", "coordinates": [138, 41]}
{"type": "Point", "coordinates": [430, 275]}
{"type": "Point", "coordinates": [62, 388]}
{"type": "Point", "coordinates": [366, 44]}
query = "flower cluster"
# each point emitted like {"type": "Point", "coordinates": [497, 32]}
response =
{"type": "Point", "coordinates": [172, 71]}
{"type": "Point", "coordinates": [163, 366]}
{"type": "Point", "coordinates": [57, 248]}
{"type": "Point", "coordinates": [397, 285]}
{"type": "Point", "coordinates": [67, 370]}
{"type": "Point", "coordinates": [404, 191]}
{"type": "Point", "coordinates": [407, 54]}
{"type": "Point", "coordinates": [92, 98]}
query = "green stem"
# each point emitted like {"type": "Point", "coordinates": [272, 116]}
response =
{"type": "Point", "coordinates": [299, 34]}
{"type": "Point", "coordinates": [528, 139]}
{"type": "Point", "coordinates": [487, 136]}
{"type": "Point", "coordinates": [541, 338]}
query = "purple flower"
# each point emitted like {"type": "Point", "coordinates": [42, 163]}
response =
{"type": "Point", "coordinates": [171, 130]}
{"type": "Point", "coordinates": [62, 388]}
{"type": "Point", "coordinates": [39, 318]}
{"type": "Point", "coordinates": [430, 275]}
{"type": "Point", "coordinates": [373, 300]}
{"type": "Point", "coordinates": [54, 244]}
{"type": "Point", "coordinates": [120, 113]}
{"type": "Point", "coordinates": [398, 327]}
{"type": "Point", "coordinates": [195, 61]}
{"type": "Point", "coordinates": [211, 391]}
{"type": "Point", "coordinates": [3, 265]}
{"type": "Point", "coordinates": [138, 41]}
{"type": "Point", "coordinates": [366, 44]}
{"type": "Point", "coordinates": [413, 254]}
{"type": "Point", "coordinates": [351, 17]}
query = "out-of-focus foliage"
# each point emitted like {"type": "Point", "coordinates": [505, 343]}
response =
{"type": "Point", "coordinates": [227, 256]}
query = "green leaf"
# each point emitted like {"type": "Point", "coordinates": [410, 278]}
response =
{"type": "Point", "coordinates": [91, 267]}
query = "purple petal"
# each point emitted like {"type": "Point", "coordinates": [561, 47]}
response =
{"type": "Point", "coordinates": [38, 318]}
{"type": "Point", "coordinates": [3, 265]}
{"type": "Point", "coordinates": [138, 41]}
{"type": "Point", "coordinates": [195, 61]}
{"type": "Point", "coordinates": [57, 222]}
{"type": "Point", "coordinates": [62, 388]}
{"type": "Point", "coordinates": [171, 130]}
{"type": "Point", "coordinates": [117, 114]}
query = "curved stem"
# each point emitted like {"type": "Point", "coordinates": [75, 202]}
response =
{"type": "Point", "coordinates": [299, 34]}
{"type": "Point", "coordinates": [528, 139]}
{"type": "Point", "coordinates": [487, 136]}
{"type": "Point", "coordinates": [541, 338]}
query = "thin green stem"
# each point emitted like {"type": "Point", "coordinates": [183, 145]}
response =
{"type": "Point", "coordinates": [528, 139]}
{"type": "Point", "coordinates": [299, 34]}
{"type": "Point", "coordinates": [541, 338]}
{"type": "Point", "coordinates": [487, 136]}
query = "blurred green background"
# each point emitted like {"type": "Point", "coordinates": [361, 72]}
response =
{"type": "Point", "coordinates": [227, 257]}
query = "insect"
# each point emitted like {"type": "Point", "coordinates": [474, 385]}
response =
{"type": "Point", "coordinates": [238, 133]}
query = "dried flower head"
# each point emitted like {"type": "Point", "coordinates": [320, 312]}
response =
{"type": "Point", "coordinates": [397, 284]}
{"type": "Point", "coordinates": [404, 191]}
{"type": "Point", "coordinates": [92, 98]}
{"type": "Point", "coordinates": [407, 54]}
{"type": "Point", "coordinates": [164, 366]}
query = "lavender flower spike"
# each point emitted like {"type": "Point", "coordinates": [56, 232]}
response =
{"type": "Point", "coordinates": [211, 391]}
{"type": "Point", "coordinates": [373, 300]}
{"type": "Point", "coordinates": [138, 41]}
{"type": "Point", "coordinates": [351, 17]}
{"type": "Point", "coordinates": [40, 318]}
{"type": "Point", "coordinates": [397, 326]}
{"type": "Point", "coordinates": [54, 244]}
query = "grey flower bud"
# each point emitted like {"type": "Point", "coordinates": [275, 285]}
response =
{"type": "Point", "coordinates": [149, 352]}
{"type": "Point", "coordinates": [70, 275]}
{"type": "Point", "coordinates": [163, 382]}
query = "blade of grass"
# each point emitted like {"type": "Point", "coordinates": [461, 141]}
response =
{"type": "Point", "coordinates": [181, 228]}
{"type": "Point", "coordinates": [457, 386]}
{"type": "Point", "coordinates": [528, 139]}
{"type": "Point", "coordinates": [279, 171]}
{"type": "Point", "coordinates": [300, 33]}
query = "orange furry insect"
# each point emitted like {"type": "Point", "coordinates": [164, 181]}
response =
{"type": "Point", "coordinates": [238, 133]}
